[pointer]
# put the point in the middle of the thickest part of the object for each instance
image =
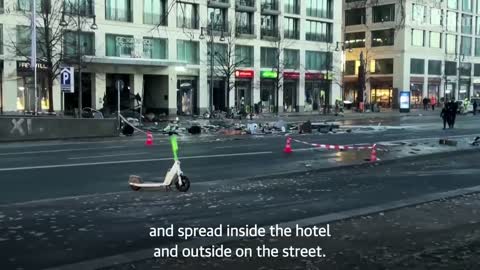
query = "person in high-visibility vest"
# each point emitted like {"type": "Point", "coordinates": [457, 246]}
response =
{"type": "Point", "coordinates": [173, 142]}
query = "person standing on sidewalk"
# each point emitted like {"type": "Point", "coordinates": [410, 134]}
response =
{"type": "Point", "coordinates": [433, 102]}
{"type": "Point", "coordinates": [425, 103]}
{"type": "Point", "coordinates": [444, 116]}
{"type": "Point", "coordinates": [475, 105]}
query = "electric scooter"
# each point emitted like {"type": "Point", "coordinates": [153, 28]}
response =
{"type": "Point", "coordinates": [174, 176]}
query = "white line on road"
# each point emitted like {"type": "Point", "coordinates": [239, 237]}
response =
{"type": "Point", "coordinates": [59, 150]}
{"type": "Point", "coordinates": [241, 145]}
{"type": "Point", "coordinates": [128, 161]}
{"type": "Point", "coordinates": [114, 155]}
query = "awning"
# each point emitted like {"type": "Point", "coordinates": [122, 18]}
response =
{"type": "Point", "coordinates": [132, 61]}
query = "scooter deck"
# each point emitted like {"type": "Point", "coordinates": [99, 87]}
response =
{"type": "Point", "coordinates": [147, 185]}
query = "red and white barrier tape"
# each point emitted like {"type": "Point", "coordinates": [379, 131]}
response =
{"type": "Point", "coordinates": [337, 147]}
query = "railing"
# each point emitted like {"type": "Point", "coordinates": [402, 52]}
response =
{"type": "Point", "coordinates": [245, 29]}
{"type": "Point", "coordinates": [267, 32]}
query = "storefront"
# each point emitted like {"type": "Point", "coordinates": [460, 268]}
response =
{"type": "Point", "coordinates": [315, 90]}
{"type": "Point", "coordinates": [243, 90]}
{"type": "Point", "coordinates": [268, 93]}
{"type": "Point", "coordinates": [476, 90]}
{"type": "Point", "coordinates": [416, 92]}
{"type": "Point", "coordinates": [381, 92]}
{"type": "Point", "coordinates": [464, 90]}
{"type": "Point", "coordinates": [187, 96]}
{"type": "Point", "coordinates": [26, 87]}
{"type": "Point", "coordinates": [450, 91]}
{"type": "Point", "coordinates": [434, 89]}
{"type": "Point", "coordinates": [290, 90]}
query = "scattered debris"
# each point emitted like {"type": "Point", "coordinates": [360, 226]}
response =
{"type": "Point", "coordinates": [195, 130]}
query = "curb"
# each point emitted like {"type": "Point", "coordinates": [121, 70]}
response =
{"type": "Point", "coordinates": [145, 254]}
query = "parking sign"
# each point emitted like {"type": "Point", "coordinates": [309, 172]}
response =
{"type": "Point", "coordinates": [67, 80]}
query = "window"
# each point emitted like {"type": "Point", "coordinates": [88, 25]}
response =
{"type": "Point", "coordinates": [435, 40]}
{"type": "Point", "coordinates": [476, 70]}
{"type": "Point", "coordinates": [155, 48]}
{"type": "Point", "coordinates": [450, 68]}
{"type": "Point", "coordinates": [23, 43]}
{"type": "Point", "coordinates": [317, 60]}
{"type": "Point", "coordinates": [320, 8]}
{"type": "Point", "coordinates": [385, 13]}
{"type": "Point", "coordinates": [465, 69]}
{"type": "Point", "coordinates": [71, 6]}
{"type": "Point", "coordinates": [383, 38]}
{"type": "Point", "coordinates": [467, 5]}
{"type": "Point", "coordinates": [154, 12]}
{"type": "Point", "coordinates": [244, 56]}
{"type": "Point", "coordinates": [187, 15]}
{"type": "Point", "coordinates": [451, 46]}
{"type": "Point", "coordinates": [434, 67]}
{"type": "Point", "coordinates": [268, 57]}
{"type": "Point", "coordinates": [417, 66]}
{"type": "Point", "coordinates": [355, 16]}
{"type": "Point", "coordinates": [217, 18]}
{"type": "Point", "coordinates": [292, 6]}
{"type": "Point", "coordinates": [269, 26]}
{"type": "Point", "coordinates": [466, 24]}
{"type": "Point", "coordinates": [477, 47]}
{"type": "Point", "coordinates": [381, 66]}
{"type": "Point", "coordinates": [291, 28]}
{"type": "Point", "coordinates": [292, 58]}
{"type": "Point", "coordinates": [118, 45]}
{"type": "Point", "coordinates": [419, 13]}
{"type": "Point", "coordinates": [319, 31]}
{"type": "Point", "coordinates": [477, 31]}
{"type": "Point", "coordinates": [466, 46]}
{"type": "Point", "coordinates": [350, 67]}
{"type": "Point", "coordinates": [243, 23]}
{"type": "Point", "coordinates": [1, 38]}
{"type": "Point", "coordinates": [453, 4]}
{"type": "Point", "coordinates": [26, 5]}
{"type": "Point", "coordinates": [187, 51]}
{"type": "Point", "coordinates": [451, 21]}
{"type": "Point", "coordinates": [355, 40]}
{"type": "Point", "coordinates": [436, 16]}
{"type": "Point", "coordinates": [220, 54]}
{"type": "Point", "coordinates": [118, 10]}
{"type": "Point", "coordinates": [418, 38]}
{"type": "Point", "coordinates": [87, 43]}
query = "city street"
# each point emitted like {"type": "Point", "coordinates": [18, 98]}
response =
{"type": "Point", "coordinates": [68, 202]}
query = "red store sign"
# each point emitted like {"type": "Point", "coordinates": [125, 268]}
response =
{"type": "Point", "coordinates": [244, 74]}
{"type": "Point", "coordinates": [291, 75]}
{"type": "Point", "coordinates": [314, 76]}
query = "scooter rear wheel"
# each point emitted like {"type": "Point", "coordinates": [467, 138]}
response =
{"type": "Point", "coordinates": [135, 180]}
{"type": "Point", "coordinates": [185, 184]}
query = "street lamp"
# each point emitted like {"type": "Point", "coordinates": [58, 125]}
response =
{"type": "Point", "coordinates": [222, 38]}
{"type": "Point", "coordinates": [63, 23]}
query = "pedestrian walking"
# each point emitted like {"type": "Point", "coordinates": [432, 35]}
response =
{"type": "Point", "coordinates": [425, 103]}
{"type": "Point", "coordinates": [433, 102]}
{"type": "Point", "coordinates": [443, 115]}
{"type": "Point", "coordinates": [452, 113]}
{"type": "Point", "coordinates": [475, 105]}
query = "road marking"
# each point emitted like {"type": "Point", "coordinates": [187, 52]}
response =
{"type": "Point", "coordinates": [144, 254]}
{"type": "Point", "coordinates": [114, 155]}
{"type": "Point", "coordinates": [128, 161]}
{"type": "Point", "coordinates": [59, 150]}
{"type": "Point", "coordinates": [242, 145]}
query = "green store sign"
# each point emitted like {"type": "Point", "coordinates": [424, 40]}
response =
{"type": "Point", "coordinates": [268, 74]}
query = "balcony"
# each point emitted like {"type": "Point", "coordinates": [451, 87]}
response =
{"type": "Point", "coordinates": [270, 33]}
{"type": "Point", "coordinates": [245, 5]}
{"type": "Point", "coordinates": [291, 34]}
{"type": "Point", "coordinates": [218, 3]}
{"type": "Point", "coordinates": [270, 7]}
{"type": "Point", "coordinates": [245, 31]}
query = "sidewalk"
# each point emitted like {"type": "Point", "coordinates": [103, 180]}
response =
{"type": "Point", "coordinates": [443, 234]}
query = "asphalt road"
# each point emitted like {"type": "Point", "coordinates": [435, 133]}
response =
{"type": "Point", "coordinates": [65, 202]}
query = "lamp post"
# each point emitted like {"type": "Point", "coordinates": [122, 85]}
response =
{"type": "Point", "coordinates": [78, 23]}
{"type": "Point", "coordinates": [212, 53]}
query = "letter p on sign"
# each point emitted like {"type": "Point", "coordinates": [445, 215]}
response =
{"type": "Point", "coordinates": [66, 80]}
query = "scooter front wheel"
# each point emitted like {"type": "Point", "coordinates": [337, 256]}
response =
{"type": "Point", "coordinates": [185, 186]}
{"type": "Point", "coordinates": [135, 180]}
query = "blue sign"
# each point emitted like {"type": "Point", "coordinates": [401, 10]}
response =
{"type": "Point", "coordinates": [67, 80]}
{"type": "Point", "coordinates": [405, 101]}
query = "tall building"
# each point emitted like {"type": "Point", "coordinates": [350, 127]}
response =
{"type": "Point", "coordinates": [160, 50]}
{"type": "Point", "coordinates": [430, 48]}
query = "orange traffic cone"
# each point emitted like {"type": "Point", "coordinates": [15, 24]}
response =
{"type": "Point", "coordinates": [373, 154]}
{"type": "Point", "coordinates": [288, 146]}
{"type": "Point", "coordinates": [149, 141]}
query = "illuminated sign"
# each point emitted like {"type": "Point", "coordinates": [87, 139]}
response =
{"type": "Point", "coordinates": [268, 74]}
{"type": "Point", "coordinates": [314, 76]}
{"type": "Point", "coordinates": [291, 75]}
{"type": "Point", "coordinates": [404, 101]}
{"type": "Point", "coordinates": [247, 74]}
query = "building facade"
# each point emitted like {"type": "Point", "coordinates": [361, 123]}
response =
{"type": "Point", "coordinates": [430, 48]}
{"type": "Point", "coordinates": [160, 50]}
